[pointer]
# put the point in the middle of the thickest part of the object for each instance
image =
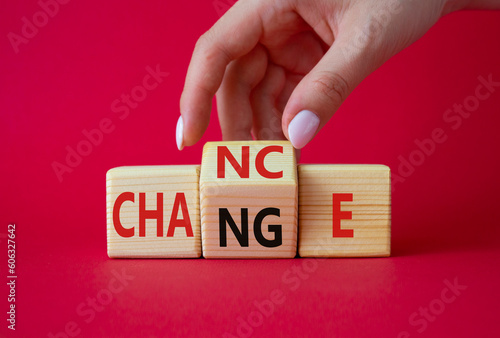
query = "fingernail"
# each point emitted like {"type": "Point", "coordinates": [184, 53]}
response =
{"type": "Point", "coordinates": [179, 133]}
{"type": "Point", "coordinates": [302, 128]}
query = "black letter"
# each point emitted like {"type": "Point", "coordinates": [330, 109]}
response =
{"type": "Point", "coordinates": [225, 216]}
{"type": "Point", "coordinates": [276, 228]}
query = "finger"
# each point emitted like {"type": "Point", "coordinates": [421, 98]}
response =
{"type": "Point", "coordinates": [233, 36]}
{"type": "Point", "coordinates": [266, 114]}
{"type": "Point", "coordinates": [292, 80]}
{"type": "Point", "coordinates": [321, 92]}
{"type": "Point", "coordinates": [233, 97]}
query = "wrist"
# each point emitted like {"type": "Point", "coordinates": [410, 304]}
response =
{"type": "Point", "coordinates": [456, 5]}
{"type": "Point", "coordinates": [451, 6]}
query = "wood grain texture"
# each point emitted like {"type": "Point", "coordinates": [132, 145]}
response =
{"type": "Point", "coordinates": [254, 193]}
{"type": "Point", "coordinates": [370, 186]}
{"type": "Point", "coordinates": [151, 180]}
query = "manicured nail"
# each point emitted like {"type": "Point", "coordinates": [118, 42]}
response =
{"type": "Point", "coordinates": [179, 133]}
{"type": "Point", "coordinates": [302, 128]}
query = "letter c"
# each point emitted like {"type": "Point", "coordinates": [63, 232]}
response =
{"type": "Point", "coordinates": [126, 196]}
{"type": "Point", "coordinates": [259, 162]}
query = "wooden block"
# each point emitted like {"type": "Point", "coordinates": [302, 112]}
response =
{"type": "Point", "coordinates": [325, 210]}
{"type": "Point", "coordinates": [153, 211]}
{"type": "Point", "coordinates": [248, 200]}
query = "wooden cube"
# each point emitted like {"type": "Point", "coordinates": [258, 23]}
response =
{"type": "Point", "coordinates": [344, 210]}
{"type": "Point", "coordinates": [153, 212]}
{"type": "Point", "coordinates": [248, 200]}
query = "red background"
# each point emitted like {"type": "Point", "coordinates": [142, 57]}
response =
{"type": "Point", "coordinates": [64, 80]}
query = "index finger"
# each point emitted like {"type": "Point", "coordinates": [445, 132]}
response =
{"type": "Point", "coordinates": [234, 35]}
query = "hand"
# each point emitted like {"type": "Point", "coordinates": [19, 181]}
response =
{"type": "Point", "coordinates": [282, 68]}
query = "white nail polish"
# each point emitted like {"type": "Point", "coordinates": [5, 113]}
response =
{"type": "Point", "coordinates": [179, 133]}
{"type": "Point", "coordinates": [302, 128]}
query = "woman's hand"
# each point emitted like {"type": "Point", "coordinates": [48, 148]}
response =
{"type": "Point", "coordinates": [282, 68]}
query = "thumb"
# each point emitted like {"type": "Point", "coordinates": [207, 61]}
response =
{"type": "Point", "coordinates": [321, 92]}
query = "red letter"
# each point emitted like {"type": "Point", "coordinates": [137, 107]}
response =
{"type": "Point", "coordinates": [125, 196]}
{"type": "Point", "coordinates": [185, 222]}
{"type": "Point", "coordinates": [150, 214]}
{"type": "Point", "coordinates": [338, 215]}
{"type": "Point", "coordinates": [259, 162]}
{"type": "Point", "coordinates": [243, 170]}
